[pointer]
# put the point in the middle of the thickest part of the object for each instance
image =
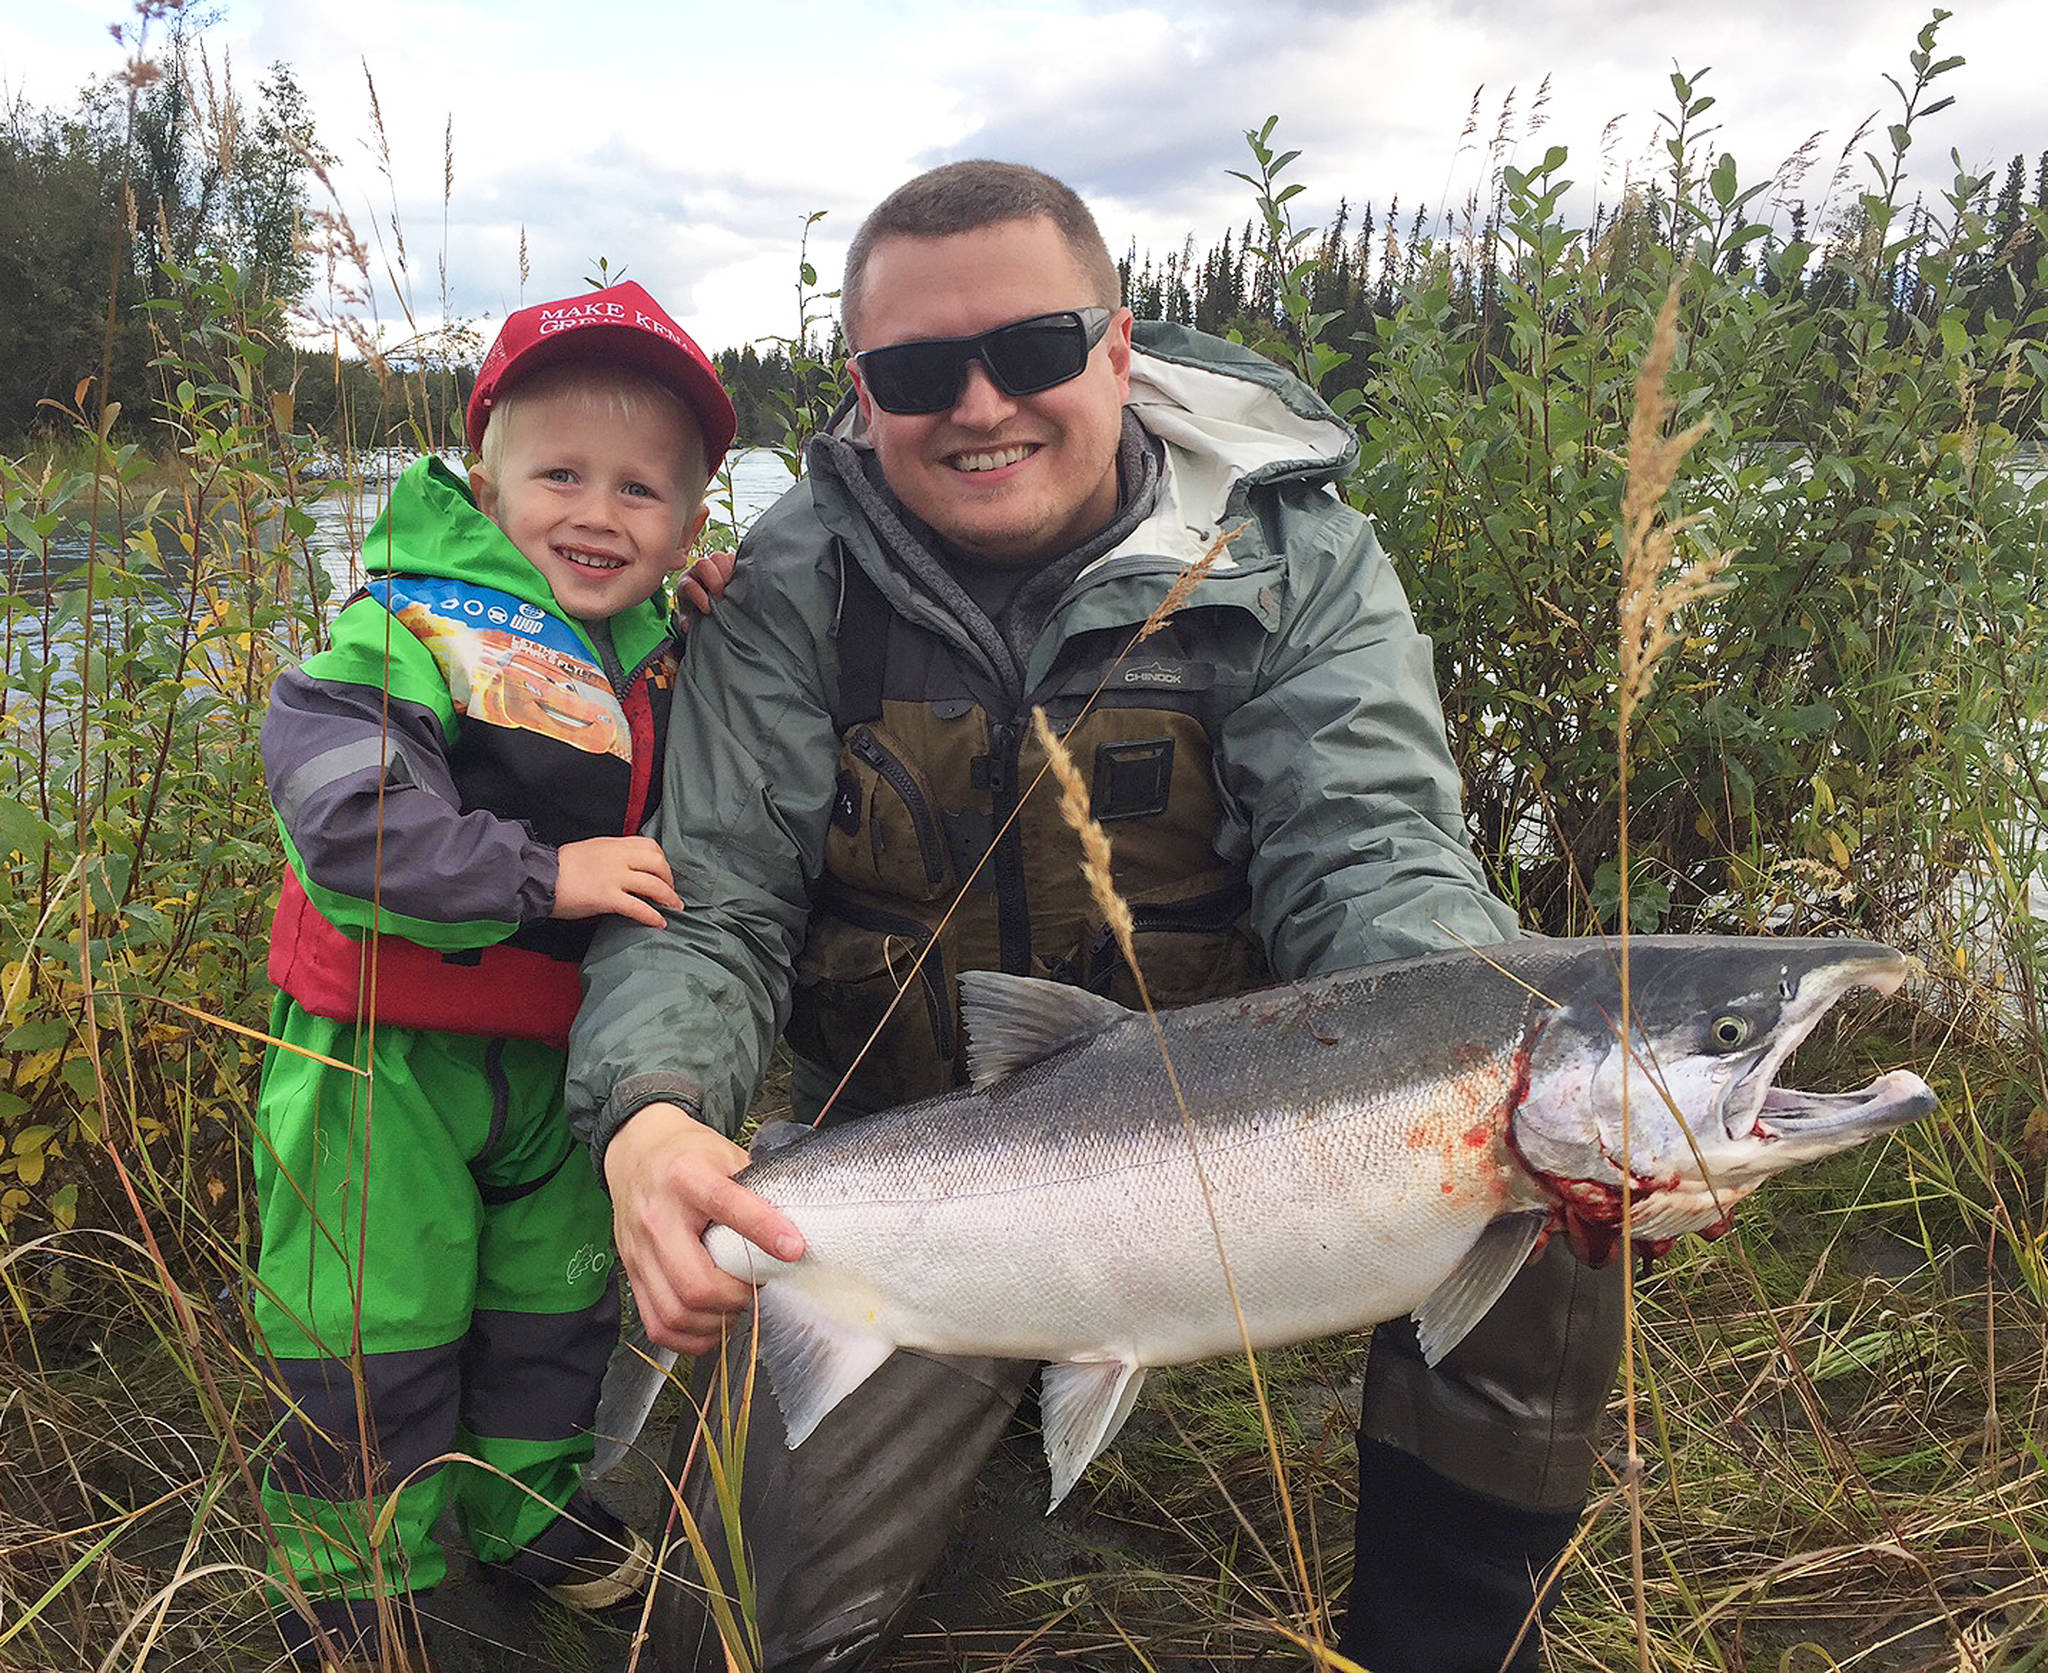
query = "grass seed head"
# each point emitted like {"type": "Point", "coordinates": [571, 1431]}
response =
{"type": "Point", "coordinates": [1094, 843]}
{"type": "Point", "coordinates": [1651, 593]}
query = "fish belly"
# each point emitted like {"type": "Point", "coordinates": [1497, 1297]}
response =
{"type": "Point", "coordinates": [1129, 1261]}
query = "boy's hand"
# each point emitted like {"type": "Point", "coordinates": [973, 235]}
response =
{"type": "Point", "coordinates": [625, 875]}
{"type": "Point", "coordinates": [703, 583]}
{"type": "Point", "coordinates": [670, 1176]}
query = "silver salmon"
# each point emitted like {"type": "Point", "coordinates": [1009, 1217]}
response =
{"type": "Point", "coordinates": [1389, 1140]}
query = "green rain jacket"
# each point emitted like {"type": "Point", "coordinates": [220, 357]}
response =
{"type": "Point", "coordinates": [427, 766]}
{"type": "Point", "coordinates": [1339, 800]}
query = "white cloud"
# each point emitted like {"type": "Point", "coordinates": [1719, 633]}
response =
{"type": "Point", "coordinates": [687, 144]}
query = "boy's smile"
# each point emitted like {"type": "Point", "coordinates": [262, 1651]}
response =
{"type": "Point", "coordinates": [597, 496]}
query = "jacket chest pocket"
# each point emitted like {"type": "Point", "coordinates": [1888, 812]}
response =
{"type": "Point", "coordinates": [886, 836]}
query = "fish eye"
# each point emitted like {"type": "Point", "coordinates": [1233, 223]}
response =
{"type": "Point", "coordinates": [1729, 1031]}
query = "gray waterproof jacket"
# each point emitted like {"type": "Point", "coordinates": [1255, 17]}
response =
{"type": "Point", "coordinates": [1339, 799]}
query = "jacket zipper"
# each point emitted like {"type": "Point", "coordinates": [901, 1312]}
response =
{"type": "Point", "coordinates": [869, 748]}
{"type": "Point", "coordinates": [629, 689]}
{"type": "Point", "coordinates": [1013, 911]}
{"type": "Point", "coordinates": [1211, 914]}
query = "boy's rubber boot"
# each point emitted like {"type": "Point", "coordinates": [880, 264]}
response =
{"type": "Point", "coordinates": [1445, 1579]}
{"type": "Point", "coordinates": [586, 1558]}
{"type": "Point", "coordinates": [626, 1580]}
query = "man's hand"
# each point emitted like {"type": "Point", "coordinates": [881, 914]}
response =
{"type": "Point", "coordinates": [626, 875]}
{"type": "Point", "coordinates": [671, 1176]}
{"type": "Point", "coordinates": [703, 583]}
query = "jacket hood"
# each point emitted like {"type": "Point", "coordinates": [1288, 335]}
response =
{"type": "Point", "coordinates": [431, 526]}
{"type": "Point", "coordinates": [1229, 420]}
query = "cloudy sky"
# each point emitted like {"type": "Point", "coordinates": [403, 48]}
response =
{"type": "Point", "coordinates": [685, 143]}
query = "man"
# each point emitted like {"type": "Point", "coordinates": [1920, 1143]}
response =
{"type": "Point", "coordinates": [1021, 480]}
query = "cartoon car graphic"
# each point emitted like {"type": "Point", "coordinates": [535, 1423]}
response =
{"type": "Point", "coordinates": [502, 679]}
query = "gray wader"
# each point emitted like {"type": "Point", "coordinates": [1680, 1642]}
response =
{"type": "Point", "coordinates": [1472, 1476]}
{"type": "Point", "coordinates": [838, 1534]}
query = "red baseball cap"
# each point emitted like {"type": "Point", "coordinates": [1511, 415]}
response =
{"type": "Point", "coordinates": [621, 322]}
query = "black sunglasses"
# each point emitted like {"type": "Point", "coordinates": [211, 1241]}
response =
{"type": "Point", "coordinates": [1022, 358]}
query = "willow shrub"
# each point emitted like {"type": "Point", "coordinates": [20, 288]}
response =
{"type": "Point", "coordinates": [141, 637]}
{"type": "Point", "coordinates": [1847, 738]}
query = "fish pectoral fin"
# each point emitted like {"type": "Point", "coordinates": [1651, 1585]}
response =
{"type": "Point", "coordinates": [1015, 1021]}
{"type": "Point", "coordinates": [1475, 1283]}
{"type": "Point", "coordinates": [1081, 1406]}
{"type": "Point", "coordinates": [813, 1360]}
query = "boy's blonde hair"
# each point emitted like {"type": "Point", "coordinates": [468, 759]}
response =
{"type": "Point", "coordinates": [619, 391]}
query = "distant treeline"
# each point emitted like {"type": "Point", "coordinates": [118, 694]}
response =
{"type": "Point", "coordinates": [166, 181]}
{"type": "Point", "coordinates": [112, 212]}
{"type": "Point", "coordinates": [1357, 272]}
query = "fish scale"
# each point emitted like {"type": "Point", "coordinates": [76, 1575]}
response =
{"type": "Point", "coordinates": [1375, 1142]}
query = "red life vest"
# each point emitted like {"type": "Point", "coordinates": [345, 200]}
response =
{"type": "Point", "coordinates": [507, 991]}
{"type": "Point", "coordinates": [529, 986]}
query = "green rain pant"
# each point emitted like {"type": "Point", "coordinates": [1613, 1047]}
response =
{"type": "Point", "coordinates": [435, 1278]}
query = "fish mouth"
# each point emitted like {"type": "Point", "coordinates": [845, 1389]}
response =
{"type": "Point", "coordinates": [1892, 1100]}
{"type": "Point", "coordinates": [1757, 1108]}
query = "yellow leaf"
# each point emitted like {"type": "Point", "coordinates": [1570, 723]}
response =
{"type": "Point", "coordinates": [1838, 850]}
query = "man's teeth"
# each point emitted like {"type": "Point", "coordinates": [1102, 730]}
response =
{"type": "Point", "coordinates": [594, 560]}
{"type": "Point", "coordinates": [991, 461]}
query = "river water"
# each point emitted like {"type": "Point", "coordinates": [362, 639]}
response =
{"type": "Point", "coordinates": [342, 517]}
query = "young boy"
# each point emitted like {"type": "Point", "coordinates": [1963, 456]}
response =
{"type": "Point", "coordinates": [459, 778]}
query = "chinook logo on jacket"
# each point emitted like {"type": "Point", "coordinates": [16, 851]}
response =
{"type": "Point", "coordinates": [508, 663]}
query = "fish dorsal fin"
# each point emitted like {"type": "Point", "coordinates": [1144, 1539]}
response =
{"type": "Point", "coordinates": [813, 1361]}
{"type": "Point", "coordinates": [1014, 1021]}
{"type": "Point", "coordinates": [1475, 1283]}
{"type": "Point", "coordinates": [1081, 1406]}
{"type": "Point", "coordinates": [772, 1136]}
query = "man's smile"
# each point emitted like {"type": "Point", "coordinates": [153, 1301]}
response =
{"type": "Point", "coordinates": [584, 559]}
{"type": "Point", "coordinates": [993, 459]}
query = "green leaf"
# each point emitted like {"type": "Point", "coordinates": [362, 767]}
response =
{"type": "Point", "coordinates": [37, 1034]}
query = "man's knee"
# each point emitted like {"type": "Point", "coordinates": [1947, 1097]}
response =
{"type": "Point", "coordinates": [1514, 1411]}
{"type": "Point", "coordinates": [837, 1535]}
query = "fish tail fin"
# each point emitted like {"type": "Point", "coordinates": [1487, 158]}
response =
{"type": "Point", "coordinates": [813, 1360]}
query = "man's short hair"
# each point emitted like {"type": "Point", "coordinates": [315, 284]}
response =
{"type": "Point", "coordinates": [964, 197]}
